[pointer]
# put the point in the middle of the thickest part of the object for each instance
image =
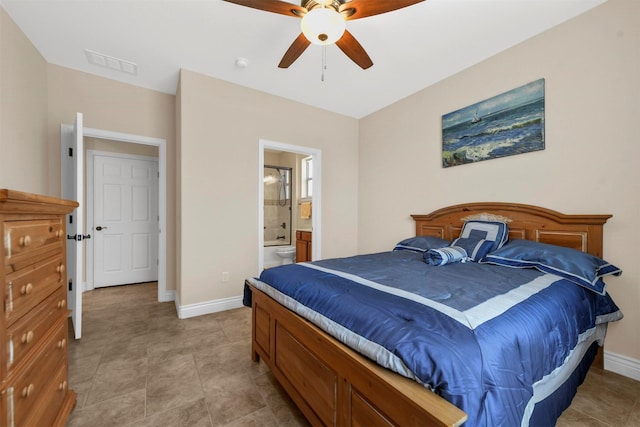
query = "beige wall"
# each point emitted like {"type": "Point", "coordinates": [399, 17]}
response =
{"type": "Point", "coordinates": [591, 66]}
{"type": "Point", "coordinates": [221, 124]}
{"type": "Point", "coordinates": [23, 112]}
{"type": "Point", "coordinates": [118, 107]}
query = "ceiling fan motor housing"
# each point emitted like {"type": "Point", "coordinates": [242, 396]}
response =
{"type": "Point", "coordinates": [312, 4]}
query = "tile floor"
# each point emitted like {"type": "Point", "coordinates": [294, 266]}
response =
{"type": "Point", "coordinates": [137, 364]}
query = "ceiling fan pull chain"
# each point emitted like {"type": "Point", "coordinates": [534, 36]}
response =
{"type": "Point", "coordinates": [324, 61]}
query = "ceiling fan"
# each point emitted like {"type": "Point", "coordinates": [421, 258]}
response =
{"type": "Point", "coordinates": [323, 23]}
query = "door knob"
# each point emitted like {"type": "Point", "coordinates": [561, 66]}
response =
{"type": "Point", "coordinates": [98, 228]}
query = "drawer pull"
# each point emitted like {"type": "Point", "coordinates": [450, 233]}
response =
{"type": "Point", "coordinates": [60, 268]}
{"type": "Point", "coordinates": [61, 304]}
{"type": "Point", "coordinates": [27, 337]}
{"type": "Point", "coordinates": [28, 391]}
{"type": "Point", "coordinates": [24, 241]}
{"type": "Point", "coordinates": [62, 386]}
{"type": "Point", "coordinates": [26, 289]}
{"type": "Point", "coordinates": [62, 343]}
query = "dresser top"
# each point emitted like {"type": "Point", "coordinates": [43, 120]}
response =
{"type": "Point", "coordinates": [27, 202]}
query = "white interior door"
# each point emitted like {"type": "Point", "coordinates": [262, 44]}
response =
{"type": "Point", "coordinates": [125, 221]}
{"type": "Point", "coordinates": [72, 159]}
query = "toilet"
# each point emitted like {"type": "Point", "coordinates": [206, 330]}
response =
{"type": "Point", "coordinates": [287, 253]}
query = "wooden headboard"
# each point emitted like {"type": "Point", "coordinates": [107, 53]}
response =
{"type": "Point", "coordinates": [581, 232]}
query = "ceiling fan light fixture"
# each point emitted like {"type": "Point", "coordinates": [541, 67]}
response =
{"type": "Point", "coordinates": [323, 26]}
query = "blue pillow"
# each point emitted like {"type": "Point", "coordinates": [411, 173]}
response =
{"type": "Point", "coordinates": [578, 267]}
{"type": "Point", "coordinates": [495, 231]}
{"type": "Point", "coordinates": [444, 256]}
{"type": "Point", "coordinates": [476, 248]}
{"type": "Point", "coordinates": [420, 244]}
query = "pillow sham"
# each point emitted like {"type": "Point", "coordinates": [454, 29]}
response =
{"type": "Point", "coordinates": [420, 244]}
{"type": "Point", "coordinates": [578, 267]}
{"type": "Point", "coordinates": [495, 231]}
{"type": "Point", "coordinates": [444, 256]}
{"type": "Point", "coordinates": [476, 248]}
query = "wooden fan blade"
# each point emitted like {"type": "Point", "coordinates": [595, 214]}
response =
{"type": "Point", "coordinates": [275, 6]}
{"type": "Point", "coordinates": [354, 50]}
{"type": "Point", "coordinates": [295, 50]}
{"type": "Point", "coordinates": [356, 9]}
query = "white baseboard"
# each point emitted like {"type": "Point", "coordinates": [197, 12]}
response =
{"type": "Point", "coordinates": [208, 307]}
{"type": "Point", "coordinates": [622, 365]}
{"type": "Point", "coordinates": [168, 296]}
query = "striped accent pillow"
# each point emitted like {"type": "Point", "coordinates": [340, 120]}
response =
{"type": "Point", "coordinates": [444, 256]}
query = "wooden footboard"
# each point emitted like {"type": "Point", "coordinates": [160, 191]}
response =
{"type": "Point", "coordinates": [332, 384]}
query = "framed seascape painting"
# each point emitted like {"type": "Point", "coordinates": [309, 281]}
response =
{"type": "Point", "coordinates": [504, 125]}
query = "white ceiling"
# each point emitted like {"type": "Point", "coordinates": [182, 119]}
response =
{"type": "Point", "coordinates": [412, 48]}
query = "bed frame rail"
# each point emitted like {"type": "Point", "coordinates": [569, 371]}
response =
{"type": "Point", "coordinates": [332, 384]}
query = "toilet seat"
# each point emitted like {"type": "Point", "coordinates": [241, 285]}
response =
{"type": "Point", "coordinates": [286, 250]}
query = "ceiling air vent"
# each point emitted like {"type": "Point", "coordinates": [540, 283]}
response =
{"type": "Point", "coordinates": [110, 62]}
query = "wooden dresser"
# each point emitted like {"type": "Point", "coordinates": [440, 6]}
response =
{"type": "Point", "coordinates": [33, 331]}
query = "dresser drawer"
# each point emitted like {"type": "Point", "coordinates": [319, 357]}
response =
{"type": "Point", "coordinates": [26, 242]}
{"type": "Point", "coordinates": [28, 388]}
{"type": "Point", "coordinates": [29, 331]}
{"type": "Point", "coordinates": [51, 400]}
{"type": "Point", "coordinates": [27, 288]}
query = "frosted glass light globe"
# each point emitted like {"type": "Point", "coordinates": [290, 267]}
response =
{"type": "Point", "coordinates": [323, 26]}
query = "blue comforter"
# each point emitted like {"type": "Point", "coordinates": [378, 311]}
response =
{"type": "Point", "coordinates": [492, 340]}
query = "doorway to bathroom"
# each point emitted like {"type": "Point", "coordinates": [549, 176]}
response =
{"type": "Point", "coordinates": [280, 201]}
{"type": "Point", "coordinates": [277, 206]}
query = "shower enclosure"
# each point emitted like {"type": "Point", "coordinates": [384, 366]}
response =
{"type": "Point", "coordinates": [277, 206]}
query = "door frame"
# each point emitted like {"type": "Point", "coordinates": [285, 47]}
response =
{"type": "Point", "coordinates": [163, 294]}
{"type": "Point", "coordinates": [91, 155]}
{"type": "Point", "coordinates": [316, 218]}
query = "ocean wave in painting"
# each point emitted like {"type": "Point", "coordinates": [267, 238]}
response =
{"type": "Point", "coordinates": [476, 134]}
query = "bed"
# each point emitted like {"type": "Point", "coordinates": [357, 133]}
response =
{"type": "Point", "coordinates": [386, 363]}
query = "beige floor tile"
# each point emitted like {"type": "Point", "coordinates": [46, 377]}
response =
{"type": "Point", "coordinates": [231, 398]}
{"type": "Point", "coordinates": [193, 414]}
{"type": "Point", "coordinates": [118, 377]}
{"type": "Point", "coordinates": [634, 415]}
{"type": "Point", "coordinates": [116, 412]}
{"type": "Point", "coordinates": [260, 418]}
{"type": "Point", "coordinates": [282, 407]}
{"type": "Point", "coordinates": [82, 369]}
{"type": "Point", "coordinates": [225, 360]}
{"type": "Point", "coordinates": [573, 418]}
{"type": "Point", "coordinates": [172, 382]}
{"type": "Point", "coordinates": [607, 397]}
